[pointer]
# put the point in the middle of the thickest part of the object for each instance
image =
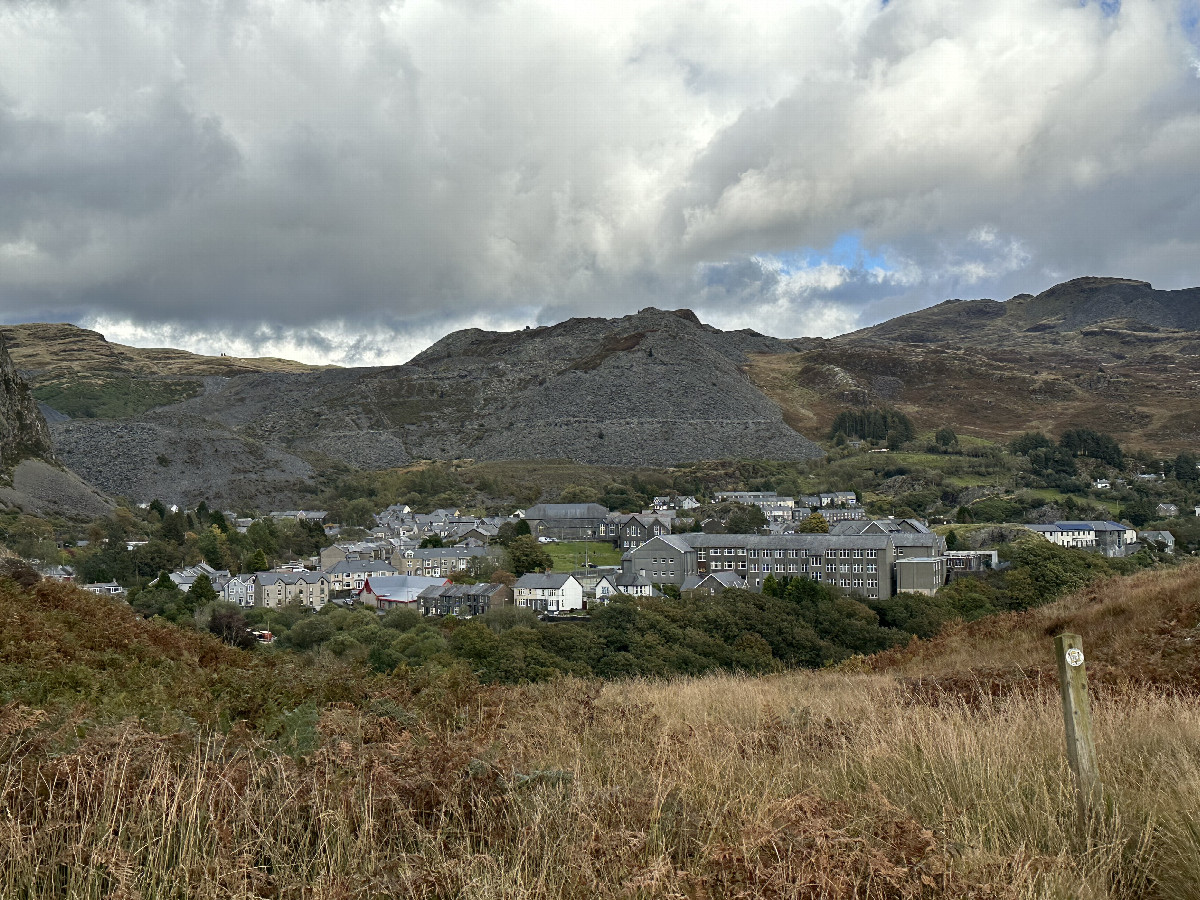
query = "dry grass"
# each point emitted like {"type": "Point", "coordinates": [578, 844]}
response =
{"type": "Point", "coordinates": [932, 780]}
{"type": "Point", "coordinates": [1139, 629]}
{"type": "Point", "coordinates": [800, 786]}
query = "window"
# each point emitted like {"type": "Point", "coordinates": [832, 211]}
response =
{"type": "Point", "coordinates": [753, 554]}
{"type": "Point", "coordinates": [793, 553]}
{"type": "Point", "coordinates": [845, 554]}
{"type": "Point", "coordinates": [857, 567]}
{"type": "Point", "coordinates": [844, 567]}
{"type": "Point", "coordinates": [871, 568]}
{"type": "Point", "coordinates": [871, 554]}
{"type": "Point", "coordinates": [791, 567]}
{"type": "Point", "coordinates": [753, 567]}
{"type": "Point", "coordinates": [816, 576]}
{"type": "Point", "coordinates": [858, 554]}
{"type": "Point", "coordinates": [831, 567]}
{"type": "Point", "coordinates": [779, 554]}
{"type": "Point", "coordinates": [872, 584]}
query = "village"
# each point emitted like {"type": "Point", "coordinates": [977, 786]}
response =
{"type": "Point", "coordinates": [442, 563]}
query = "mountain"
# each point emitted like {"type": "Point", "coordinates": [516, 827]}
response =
{"type": "Point", "coordinates": [1108, 353]}
{"type": "Point", "coordinates": [652, 388]}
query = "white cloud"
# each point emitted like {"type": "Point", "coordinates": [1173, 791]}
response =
{"type": "Point", "coordinates": [336, 168]}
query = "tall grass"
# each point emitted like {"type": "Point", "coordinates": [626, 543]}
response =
{"type": "Point", "coordinates": [802, 785]}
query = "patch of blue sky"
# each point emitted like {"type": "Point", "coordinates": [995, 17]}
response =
{"type": "Point", "coordinates": [1108, 7]}
{"type": "Point", "coordinates": [847, 252]}
{"type": "Point", "coordinates": [1189, 19]}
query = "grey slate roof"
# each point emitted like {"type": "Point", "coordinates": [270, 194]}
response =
{"type": "Point", "coordinates": [699, 540]}
{"type": "Point", "coordinates": [536, 581]}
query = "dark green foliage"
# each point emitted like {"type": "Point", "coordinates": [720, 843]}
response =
{"type": "Point", "coordinates": [527, 555]}
{"type": "Point", "coordinates": [433, 540]}
{"type": "Point", "coordinates": [509, 531]}
{"type": "Point", "coordinates": [1185, 468]}
{"type": "Point", "coordinates": [946, 437]}
{"type": "Point", "coordinates": [202, 592]}
{"type": "Point", "coordinates": [746, 519]}
{"type": "Point", "coordinates": [873, 425]}
{"type": "Point", "coordinates": [113, 397]}
{"type": "Point", "coordinates": [1028, 442]}
{"type": "Point", "coordinates": [257, 562]}
{"type": "Point", "coordinates": [1052, 460]}
{"type": "Point", "coordinates": [1140, 512]}
{"type": "Point", "coordinates": [1085, 442]}
{"type": "Point", "coordinates": [951, 539]}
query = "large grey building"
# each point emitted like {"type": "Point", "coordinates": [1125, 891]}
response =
{"type": "Point", "coordinates": [567, 521]}
{"type": "Point", "coordinates": [859, 563]}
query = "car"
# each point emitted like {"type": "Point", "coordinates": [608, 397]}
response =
{"type": "Point", "coordinates": [547, 540]}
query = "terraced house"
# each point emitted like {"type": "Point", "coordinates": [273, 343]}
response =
{"type": "Point", "coordinates": [275, 589]}
{"type": "Point", "coordinates": [434, 562]}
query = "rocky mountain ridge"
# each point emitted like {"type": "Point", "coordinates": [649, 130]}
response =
{"type": "Point", "coordinates": [653, 388]}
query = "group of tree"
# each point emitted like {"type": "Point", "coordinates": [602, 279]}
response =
{"type": "Point", "coordinates": [165, 540]}
{"type": "Point", "coordinates": [873, 425]}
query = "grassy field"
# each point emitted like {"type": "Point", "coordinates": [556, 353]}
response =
{"type": "Point", "coordinates": [940, 774]}
{"type": "Point", "coordinates": [569, 555]}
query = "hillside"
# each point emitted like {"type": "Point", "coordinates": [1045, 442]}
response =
{"type": "Point", "coordinates": [657, 388]}
{"type": "Point", "coordinates": [138, 759]}
{"type": "Point", "coordinates": [653, 388]}
{"type": "Point", "coordinates": [31, 478]}
{"type": "Point", "coordinates": [1093, 351]}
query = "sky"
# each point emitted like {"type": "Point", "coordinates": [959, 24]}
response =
{"type": "Point", "coordinates": [346, 181]}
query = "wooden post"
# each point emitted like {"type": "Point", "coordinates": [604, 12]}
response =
{"type": "Point", "coordinates": [1077, 717]}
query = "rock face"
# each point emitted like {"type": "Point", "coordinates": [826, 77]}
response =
{"type": "Point", "coordinates": [653, 388]}
{"type": "Point", "coordinates": [23, 431]}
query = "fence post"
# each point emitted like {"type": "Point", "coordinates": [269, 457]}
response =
{"type": "Point", "coordinates": [1077, 717]}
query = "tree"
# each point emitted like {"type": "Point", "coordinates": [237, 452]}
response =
{"type": "Point", "coordinates": [1030, 440]}
{"type": "Point", "coordinates": [951, 539]}
{"type": "Point", "coordinates": [527, 555]}
{"type": "Point", "coordinates": [578, 493]}
{"type": "Point", "coordinates": [201, 593]}
{"type": "Point", "coordinates": [1139, 512]}
{"type": "Point", "coordinates": [509, 531]}
{"type": "Point", "coordinates": [746, 519]}
{"type": "Point", "coordinates": [1185, 468]}
{"type": "Point", "coordinates": [230, 625]}
{"type": "Point", "coordinates": [257, 562]}
{"type": "Point", "coordinates": [432, 540]}
{"type": "Point", "coordinates": [814, 524]}
{"type": "Point", "coordinates": [946, 437]}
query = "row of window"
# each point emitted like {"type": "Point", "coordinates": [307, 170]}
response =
{"type": "Point", "coordinates": [871, 568]}
{"type": "Point", "coordinates": [791, 554]}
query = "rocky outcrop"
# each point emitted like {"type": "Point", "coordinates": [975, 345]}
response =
{"type": "Point", "coordinates": [23, 430]}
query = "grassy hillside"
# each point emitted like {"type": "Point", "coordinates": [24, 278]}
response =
{"type": "Point", "coordinates": [843, 783]}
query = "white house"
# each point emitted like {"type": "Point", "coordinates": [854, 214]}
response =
{"type": "Point", "coordinates": [240, 590]}
{"type": "Point", "coordinates": [548, 593]}
{"type": "Point", "coordinates": [623, 583]}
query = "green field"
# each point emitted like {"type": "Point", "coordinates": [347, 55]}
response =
{"type": "Point", "coordinates": [569, 555]}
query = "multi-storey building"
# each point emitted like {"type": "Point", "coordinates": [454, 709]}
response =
{"type": "Point", "coordinates": [859, 563]}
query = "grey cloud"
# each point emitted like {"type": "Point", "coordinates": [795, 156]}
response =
{"type": "Point", "coordinates": [347, 180]}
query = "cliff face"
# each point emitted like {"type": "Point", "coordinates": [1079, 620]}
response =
{"type": "Point", "coordinates": [23, 430]}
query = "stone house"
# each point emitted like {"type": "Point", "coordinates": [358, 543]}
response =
{"type": "Point", "coordinates": [275, 589]}
{"type": "Point", "coordinates": [566, 521]}
{"type": "Point", "coordinates": [463, 599]}
{"type": "Point", "coordinates": [352, 574]}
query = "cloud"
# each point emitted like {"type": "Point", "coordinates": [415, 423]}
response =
{"type": "Point", "coordinates": [347, 181]}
